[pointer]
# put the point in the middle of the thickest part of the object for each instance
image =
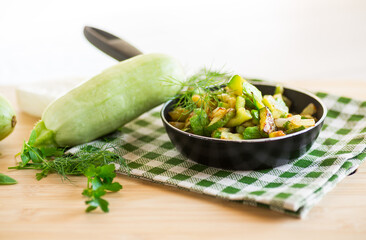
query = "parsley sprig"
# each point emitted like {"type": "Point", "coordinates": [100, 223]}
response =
{"type": "Point", "coordinates": [100, 180]}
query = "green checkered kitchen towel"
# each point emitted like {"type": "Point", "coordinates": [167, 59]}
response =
{"type": "Point", "coordinates": [292, 189]}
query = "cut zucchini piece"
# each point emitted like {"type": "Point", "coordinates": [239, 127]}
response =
{"type": "Point", "coordinates": [217, 132]}
{"type": "Point", "coordinates": [255, 115]}
{"type": "Point", "coordinates": [240, 102]}
{"type": "Point", "coordinates": [279, 89]}
{"type": "Point", "coordinates": [277, 106]}
{"type": "Point", "coordinates": [266, 122]}
{"type": "Point", "coordinates": [280, 122]}
{"type": "Point", "coordinates": [242, 115]}
{"type": "Point", "coordinates": [253, 94]}
{"type": "Point", "coordinates": [293, 130]}
{"type": "Point", "coordinates": [231, 136]}
{"type": "Point", "coordinates": [236, 85]}
{"type": "Point", "coordinates": [179, 125]}
{"type": "Point", "coordinates": [309, 110]}
{"type": "Point", "coordinates": [179, 114]}
{"type": "Point", "coordinates": [219, 121]}
{"type": "Point", "coordinates": [277, 134]}
{"type": "Point", "coordinates": [223, 104]}
{"type": "Point", "coordinates": [240, 129]}
{"type": "Point", "coordinates": [294, 122]}
{"type": "Point", "coordinates": [249, 103]}
{"type": "Point", "coordinates": [252, 133]}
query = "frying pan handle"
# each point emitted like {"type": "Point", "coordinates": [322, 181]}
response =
{"type": "Point", "coordinates": [111, 45]}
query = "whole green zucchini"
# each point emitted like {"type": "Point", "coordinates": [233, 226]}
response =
{"type": "Point", "coordinates": [109, 100]}
{"type": "Point", "coordinates": [7, 118]}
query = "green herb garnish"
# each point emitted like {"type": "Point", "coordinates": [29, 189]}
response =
{"type": "Point", "coordinates": [207, 83]}
{"type": "Point", "coordinates": [96, 163]}
{"type": "Point", "coordinates": [100, 179]}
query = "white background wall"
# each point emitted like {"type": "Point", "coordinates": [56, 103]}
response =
{"type": "Point", "coordinates": [276, 40]}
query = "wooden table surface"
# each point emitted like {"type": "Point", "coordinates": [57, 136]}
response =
{"type": "Point", "coordinates": [53, 209]}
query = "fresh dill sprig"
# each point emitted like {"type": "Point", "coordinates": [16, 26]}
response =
{"type": "Point", "coordinates": [208, 78]}
{"type": "Point", "coordinates": [56, 160]}
{"type": "Point", "coordinates": [204, 78]}
{"type": "Point", "coordinates": [206, 83]}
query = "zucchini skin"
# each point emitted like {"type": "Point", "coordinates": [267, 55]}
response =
{"type": "Point", "coordinates": [7, 118]}
{"type": "Point", "coordinates": [109, 100]}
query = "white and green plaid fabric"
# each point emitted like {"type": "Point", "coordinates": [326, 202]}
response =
{"type": "Point", "coordinates": [292, 189]}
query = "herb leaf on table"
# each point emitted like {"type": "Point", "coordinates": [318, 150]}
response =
{"type": "Point", "coordinates": [6, 180]}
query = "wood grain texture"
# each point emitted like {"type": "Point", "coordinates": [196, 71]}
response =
{"type": "Point", "coordinates": [53, 209]}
